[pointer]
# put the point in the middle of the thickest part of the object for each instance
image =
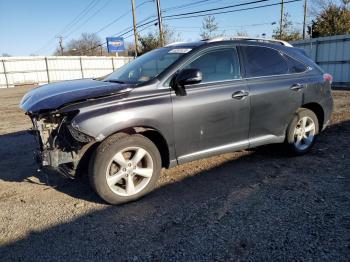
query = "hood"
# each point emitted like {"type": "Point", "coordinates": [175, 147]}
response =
{"type": "Point", "coordinates": [55, 95]}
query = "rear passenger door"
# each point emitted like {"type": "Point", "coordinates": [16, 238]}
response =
{"type": "Point", "coordinates": [275, 83]}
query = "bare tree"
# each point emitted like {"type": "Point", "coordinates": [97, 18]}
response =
{"type": "Point", "coordinates": [152, 40]}
{"type": "Point", "coordinates": [242, 33]}
{"type": "Point", "coordinates": [88, 44]}
{"type": "Point", "coordinates": [209, 27]}
{"type": "Point", "coordinates": [289, 32]}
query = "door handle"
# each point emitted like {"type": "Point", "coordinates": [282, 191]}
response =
{"type": "Point", "coordinates": [240, 94]}
{"type": "Point", "coordinates": [297, 87]}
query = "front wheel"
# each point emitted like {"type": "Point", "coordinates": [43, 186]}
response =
{"type": "Point", "coordinates": [125, 168]}
{"type": "Point", "coordinates": [302, 131]}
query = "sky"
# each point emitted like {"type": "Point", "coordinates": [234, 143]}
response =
{"type": "Point", "coordinates": [31, 26]}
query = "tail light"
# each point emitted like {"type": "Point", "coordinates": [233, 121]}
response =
{"type": "Point", "coordinates": [328, 78]}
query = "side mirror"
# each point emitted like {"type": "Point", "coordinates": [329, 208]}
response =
{"type": "Point", "coordinates": [185, 77]}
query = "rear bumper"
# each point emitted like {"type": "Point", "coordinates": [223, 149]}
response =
{"type": "Point", "coordinates": [327, 105]}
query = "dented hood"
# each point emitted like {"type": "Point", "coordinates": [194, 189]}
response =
{"type": "Point", "coordinates": [55, 95]}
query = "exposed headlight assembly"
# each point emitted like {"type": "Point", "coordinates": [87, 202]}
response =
{"type": "Point", "coordinates": [77, 135]}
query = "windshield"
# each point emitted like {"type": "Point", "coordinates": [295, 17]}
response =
{"type": "Point", "coordinates": [147, 66]}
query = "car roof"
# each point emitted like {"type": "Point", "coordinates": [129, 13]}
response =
{"type": "Point", "coordinates": [282, 46]}
{"type": "Point", "coordinates": [236, 40]}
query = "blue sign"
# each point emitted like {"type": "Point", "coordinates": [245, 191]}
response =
{"type": "Point", "coordinates": [115, 44]}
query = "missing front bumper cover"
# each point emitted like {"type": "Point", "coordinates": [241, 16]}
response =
{"type": "Point", "coordinates": [53, 158]}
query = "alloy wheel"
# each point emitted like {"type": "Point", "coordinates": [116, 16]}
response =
{"type": "Point", "coordinates": [304, 133]}
{"type": "Point", "coordinates": [129, 171]}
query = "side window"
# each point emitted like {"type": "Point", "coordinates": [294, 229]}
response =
{"type": "Point", "coordinates": [218, 65]}
{"type": "Point", "coordinates": [294, 65]}
{"type": "Point", "coordinates": [263, 61]}
{"type": "Point", "coordinates": [155, 66]}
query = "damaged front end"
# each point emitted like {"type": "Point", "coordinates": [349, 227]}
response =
{"type": "Point", "coordinates": [52, 108]}
{"type": "Point", "coordinates": [61, 145]}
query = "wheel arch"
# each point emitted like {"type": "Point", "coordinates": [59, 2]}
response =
{"type": "Point", "coordinates": [318, 110]}
{"type": "Point", "coordinates": [152, 134]}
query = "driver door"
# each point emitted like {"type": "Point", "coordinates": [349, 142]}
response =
{"type": "Point", "coordinates": [213, 117]}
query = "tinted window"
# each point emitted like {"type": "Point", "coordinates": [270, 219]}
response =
{"type": "Point", "coordinates": [294, 65]}
{"type": "Point", "coordinates": [263, 61]}
{"type": "Point", "coordinates": [218, 65]}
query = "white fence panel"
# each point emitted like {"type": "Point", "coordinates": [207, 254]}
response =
{"type": "Point", "coordinates": [120, 62]}
{"type": "Point", "coordinates": [64, 68]}
{"type": "Point", "coordinates": [2, 75]}
{"type": "Point", "coordinates": [41, 70]}
{"type": "Point", "coordinates": [94, 67]}
{"type": "Point", "coordinates": [24, 70]}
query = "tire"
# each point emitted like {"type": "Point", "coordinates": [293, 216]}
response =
{"type": "Point", "coordinates": [124, 168]}
{"type": "Point", "coordinates": [302, 132]}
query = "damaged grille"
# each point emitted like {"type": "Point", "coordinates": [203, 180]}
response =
{"type": "Point", "coordinates": [59, 142]}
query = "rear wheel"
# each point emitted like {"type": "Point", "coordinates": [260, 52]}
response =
{"type": "Point", "coordinates": [302, 131]}
{"type": "Point", "coordinates": [125, 168]}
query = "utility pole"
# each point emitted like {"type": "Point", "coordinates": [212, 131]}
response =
{"type": "Point", "coordinates": [60, 42]}
{"type": "Point", "coordinates": [160, 25]}
{"type": "Point", "coordinates": [134, 22]}
{"type": "Point", "coordinates": [305, 17]}
{"type": "Point", "coordinates": [281, 21]}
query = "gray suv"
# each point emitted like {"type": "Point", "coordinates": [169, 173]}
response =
{"type": "Point", "coordinates": [176, 104]}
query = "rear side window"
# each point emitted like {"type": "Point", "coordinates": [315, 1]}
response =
{"type": "Point", "coordinates": [263, 61]}
{"type": "Point", "coordinates": [294, 65]}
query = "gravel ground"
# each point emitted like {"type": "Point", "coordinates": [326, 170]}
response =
{"type": "Point", "coordinates": [252, 205]}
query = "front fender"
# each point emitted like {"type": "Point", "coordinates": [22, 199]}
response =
{"type": "Point", "coordinates": [153, 111]}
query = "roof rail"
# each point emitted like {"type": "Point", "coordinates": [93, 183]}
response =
{"type": "Point", "coordinates": [257, 39]}
{"type": "Point", "coordinates": [175, 43]}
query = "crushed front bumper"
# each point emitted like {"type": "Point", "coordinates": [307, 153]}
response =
{"type": "Point", "coordinates": [53, 158]}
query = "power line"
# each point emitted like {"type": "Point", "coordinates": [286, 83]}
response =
{"type": "Point", "coordinates": [197, 14]}
{"type": "Point", "coordinates": [122, 33]}
{"type": "Point", "coordinates": [178, 7]}
{"type": "Point", "coordinates": [143, 29]}
{"type": "Point", "coordinates": [223, 27]}
{"type": "Point", "coordinates": [202, 1]}
{"type": "Point", "coordinates": [88, 19]}
{"type": "Point", "coordinates": [147, 23]}
{"type": "Point", "coordinates": [121, 16]}
{"type": "Point", "coordinates": [231, 11]}
{"type": "Point", "coordinates": [83, 13]}
{"type": "Point", "coordinates": [218, 8]}
{"type": "Point", "coordinates": [79, 16]}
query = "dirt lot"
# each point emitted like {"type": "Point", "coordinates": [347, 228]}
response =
{"type": "Point", "coordinates": [252, 205]}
